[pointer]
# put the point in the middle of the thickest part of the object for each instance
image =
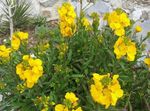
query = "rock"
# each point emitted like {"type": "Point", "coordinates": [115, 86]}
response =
{"type": "Point", "coordinates": [128, 6]}
{"type": "Point", "coordinates": [149, 14]}
{"type": "Point", "coordinates": [145, 15]}
{"type": "Point", "coordinates": [138, 9]}
{"type": "Point", "coordinates": [86, 5]}
{"type": "Point", "coordinates": [145, 29]}
{"type": "Point", "coordinates": [143, 2]}
{"type": "Point", "coordinates": [47, 3]}
{"type": "Point", "coordinates": [136, 15]}
{"type": "Point", "coordinates": [46, 13]}
{"type": "Point", "coordinates": [35, 7]}
{"type": "Point", "coordinates": [106, 0]}
{"type": "Point", "coordinates": [116, 3]}
{"type": "Point", "coordinates": [99, 7]}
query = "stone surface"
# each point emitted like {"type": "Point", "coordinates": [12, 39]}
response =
{"type": "Point", "coordinates": [116, 3]}
{"type": "Point", "coordinates": [136, 14]}
{"type": "Point", "coordinates": [138, 9]}
{"type": "Point", "coordinates": [146, 28]}
{"type": "Point", "coordinates": [35, 7]}
{"type": "Point", "coordinates": [100, 7]}
{"type": "Point", "coordinates": [46, 13]}
{"type": "Point", "coordinates": [47, 3]}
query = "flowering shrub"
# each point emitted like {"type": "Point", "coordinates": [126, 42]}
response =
{"type": "Point", "coordinates": [95, 69]}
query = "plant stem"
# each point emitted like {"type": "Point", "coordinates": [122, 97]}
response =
{"type": "Point", "coordinates": [127, 103]}
{"type": "Point", "coordinates": [80, 8]}
{"type": "Point", "coordinates": [11, 22]}
{"type": "Point", "coordinates": [147, 104]}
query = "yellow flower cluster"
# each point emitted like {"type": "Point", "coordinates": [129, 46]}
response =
{"type": "Point", "coordinates": [85, 22]}
{"type": "Point", "coordinates": [67, 20]}
{"type": "Point", "coordinates": [106, 90]}
{"type": "Point", "coordinates": [4, 52]}
{"type": "Point", "coordinates": [147, 61]}
{"type": "Point", "coordinates": [17, 38]}
{"type": "Point", "coordinates": [124, 46]}
{"type": "Point", "coordinates": [118, 21]}
{"type": "Point", "coordinates": [30, 70]}
{"type": "Point", "coordinates": [70, 105]}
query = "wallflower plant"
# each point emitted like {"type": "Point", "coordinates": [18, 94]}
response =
{"type": "Point", "coordinates": [57, 73]}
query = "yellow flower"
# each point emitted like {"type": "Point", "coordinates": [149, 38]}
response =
{"type": "Point", "coordinates": [45, 109]}
{"type": "Point", "coordinates": [20, 71]}
{"type": "Point", "coordinates": [118, 21]}
{"type": "Point", "coordinates": [124, 20]}
{"type": "Point", "coordinates": [46, 46]}
{"type": "Point", "coordinates": [4, 52]}
{"type": "Point", "coordinates": [71, 97]}
{"type": "Point", "coordinates": [115, 26]}
{"type": "Point", "coordinates": [61, 107]}
{"type": "Point", "coordinates": [26, 57]}
{"type": "Point", "coordinates": [113, 17]}
{"type": "Point", "coordinates": [67, 20]}
{"type": "Point", "coordinates": [120, 32]}
{"type": "Point", "coordinates": [85, 22]}
{"type": "Point", "coordinates": [22, 35]}
{"type": "Point", "coordinates": [78, 109]}
{"type": "Point", "coordinates": [15, 43]}
{"type": "Point", "coordinates": [72, 106]}
{"type": "Point", "coordinates": [106, 90]}
{"type": "Point", "coordinates": [131, 51]}
{"type": "Point", "coordinates": [124, 46]}
{"type": "Point", "coordinates": [120, 48]}
{"type": "Point", "coordinates": [147, 61]}
{"type": "Point", "coordinates": [29, 70]}
{"type": "Point", "coordinates": [138, 28]}
{"type": "Point", "coordinates": [17, 39]}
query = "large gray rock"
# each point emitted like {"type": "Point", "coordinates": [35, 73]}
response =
{"type": "Point", "coordinates": [35, 7]}
{"type": "Point", "coordinates": [136, 14]}
{"type": "Point", "coordinates": [145, 29]}
{"type": "Point", "coordinates": [100, 7]}
{"type": "Point", "coordinates": [116, 3]}
{"type": "Point", "coordinates": [47, 3]}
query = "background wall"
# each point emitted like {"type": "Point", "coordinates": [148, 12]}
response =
{"type": "Point", "coordinates": [138, 9]}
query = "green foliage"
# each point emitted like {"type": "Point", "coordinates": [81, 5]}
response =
{"type": "Point", "coordinates": [87, 52]}
{"type": "Point", "coordinates": [39, 21]}
{"type": "Point", "coordinates": [42, 32]}
{"type": "Point", "coordinates": [20, 13]}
